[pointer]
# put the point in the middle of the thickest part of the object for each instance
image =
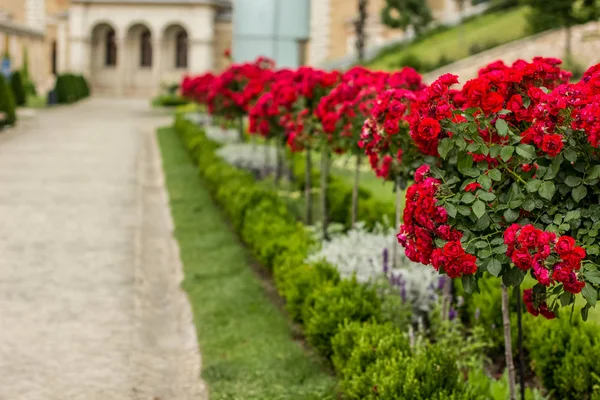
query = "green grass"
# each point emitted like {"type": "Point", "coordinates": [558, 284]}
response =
{"type": "Point", "coordinates": [35, 101]}
{"type": "Point", "coordinates": [493, 28]}
{"type": "Point", "coordinates": [246, 342]}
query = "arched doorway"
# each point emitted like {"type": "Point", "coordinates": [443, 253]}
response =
{"type": "Point", "coordinates": [175, 53]}
{"type": "Point", "coordinates": [104, 58]}
{"type": "Point", "coordinates": [140, 60]}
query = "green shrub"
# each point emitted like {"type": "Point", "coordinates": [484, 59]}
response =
{"type": "Point", "coordinates": [7, 104]}
{"type": "Point", "coordinates": [169, 100]}
{"type": "Point", "coordinates": [300, 281]}
{"type": "Point", "coordinates": [70, 88]}
{"type": "Point", "coordinates": [331, 305]}
{"type": "Point", "coordinates": [16, 84]}
{"type": "Point", "coordinates": [564, 355]}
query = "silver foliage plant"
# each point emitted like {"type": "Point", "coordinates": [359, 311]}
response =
{"type": "Point", "coordinates": [221, 135]}
{"type": "Point", "coordinates": [248, 156]}
{"type": "Point", "coordinates": [367, 255]}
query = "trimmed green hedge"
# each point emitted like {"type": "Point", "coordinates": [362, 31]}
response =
{"type": "Point", "coordinates": [335, 313]}
{"type": "Point", "coordinates": [7, 104]}
{"type": "Point", "coordinates": [70, 88]}
{"type": "Point", "coordinates": [16, 84]}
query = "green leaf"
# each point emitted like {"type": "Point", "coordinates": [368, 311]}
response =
{"type": "Point", "coordinates": [590, 294]}
{"type": "Point", "coordinates": [571, 215]}
{"type": "Point", "coordinates": [565, 299]}
{"type": "Point", "coordinates": [506, 153]}
{"type": "Point", "coordinates": [513, 277]}
{"type": "Point", "coordinates": [584, 312]}
{"type": "Point", "coordinates": [594, 172]}
{"type": "Point", "coordinates": [529, 205]}
{"type": "Point", "coordinates": [526, 151]}
{"type": "Point", "coordinates": [592, 276]}
{"type": "Point", "coordinates": [573, 181]}
{"type": "Point", "coordinates": [511, 215]}
{"type": "Point", "coordinates": [469, 283]}
{"type": "Point", "coordinates": [570, 155]}
{"type": "Point", "coordinates": [486, 196]}
{"type": "Point", "coordinates": [464, 210]}
{"type": "Point", "coordinates": [444, 147]}
{"type": "Point", "coordinates": [481, 244]}
{"type": "Point", "coordinates": [504, 112]}
{"type": "Point", "coordinates": [501, 127]}
{"type": "Point", "coordinates": [533, 185]}
{"type": "Point", "coordinates": [593, 250]}
{"type": "Point", "coordinates": [500, 249]}
{"type": "Point", "coordinates": [479, 208]}
{"type": "Point", "coordinates": [579, 193]}
{"type": "Point", "coordinates": [471, 172]}
{"type": "Point", "coordinates": [450, 209]}
{"type": "Point", "coordinates": [553, 168]}
{"type": "Point", "coordinates": [485, 182]}
{"type": "Point", "coordinates": [547, 190]}
{"type": "Point", "coordinates": [465, 161]}
{"type": "Point", "coordinates": [494, 267]}
{"type": "Point", "coordinates": [495, 174]}
{"type": "Point", "coordinates": [467, 198]}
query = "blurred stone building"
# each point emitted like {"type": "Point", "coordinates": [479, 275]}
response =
{"type": "Point", "coordinates": [332, 25]}
{"type": "Point", "coordinates": [124, 47]}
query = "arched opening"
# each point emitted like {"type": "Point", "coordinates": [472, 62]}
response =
{"type": "Point", "coordinates": [175, 50]}
{"type": "Point", "coordinates": [181, 49]}
{"type": "Point", "coordinates": [110, 49]}
{"type": "Point", "coordinates": [146, 49]}
{"type": "Point", "coordinates": [139, 62]}
{"type": "Point", "coordinates": [103, 63]}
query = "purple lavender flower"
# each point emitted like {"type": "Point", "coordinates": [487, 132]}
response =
{"type": "Point", "coordinates": [452, 314]}
{"type": "Point", "coordinates": [441, 282]}
{"type": "Point", "coordinates": [385, 261]}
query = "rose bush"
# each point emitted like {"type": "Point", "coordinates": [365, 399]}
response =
{"type": "Point", "coordinates": [514, 190]}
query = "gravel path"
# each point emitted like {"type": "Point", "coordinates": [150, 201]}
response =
{"type": "Point", "coordinates": [90, 305]}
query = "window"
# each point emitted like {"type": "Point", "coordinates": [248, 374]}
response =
{"type": "Point", "coordinates": [146, 49]}
{"type": "Point", "coordinates": [181, 50]}
{"type": "Point", "coordinates": [110, 52]}
{"type": "Point", "coordinates": [54, 57]}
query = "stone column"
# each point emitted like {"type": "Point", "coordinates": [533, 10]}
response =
{"type": "Point", "coordinates": [200, 56]}
{"type": "Point", "coordinates": [157, 55]}
{"type": "Point", "coordinates": [121, 67]}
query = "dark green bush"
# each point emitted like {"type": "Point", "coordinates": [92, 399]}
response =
{"type": "Point", "coordinates": [330, 306]}
{"type": "Point", "coordinates": [7, 104]}
{"type": "Point", "coordinates": [16, 84]}
{"type": "Point", "coordinates": [70, 88]}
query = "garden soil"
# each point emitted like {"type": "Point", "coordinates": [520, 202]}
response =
{"type": "Point", "coordinates": [90, 300]}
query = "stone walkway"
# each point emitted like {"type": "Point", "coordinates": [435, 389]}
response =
{"type": "Point", "coordinates": [90, 305]}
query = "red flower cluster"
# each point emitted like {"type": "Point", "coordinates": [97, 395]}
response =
{"type": "Point", "coordinates": [542, 307]}
{"type": "Point", "coordinates": [424, 221]}
{"type": "Point", "coordinates": [552, 259]}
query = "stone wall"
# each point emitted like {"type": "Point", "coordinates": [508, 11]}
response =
{"type": "Point", "coordinates": [585, 49]}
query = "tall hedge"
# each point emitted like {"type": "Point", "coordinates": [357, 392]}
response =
{"type": "Point", "coordinates": [16, 84]}
{"type": "Point", "coordinates": [71, 88]}
{"type": "Point", "coordinates": [7, 104]}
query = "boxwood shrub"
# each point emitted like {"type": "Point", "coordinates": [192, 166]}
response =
{"type": "Point", "coordinates": [7, 104]}
{"type": "Point", "coordinates": [16, 84]}
{"type": "Point", "coordinates": [342, 318]}
{"type": "Point", "coordinates": [70, 88]}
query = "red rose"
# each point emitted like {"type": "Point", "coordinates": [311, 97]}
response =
{"type": "Point", "coordinates": [471, 187]}
{"type": "Point", "coordinates": [469, 264]}
{"type": "Point", "coordinates": [421, 172]}
{"type": "Point", "coordinates": [564, 245]}
{"type": "Point", "coordinates": [492, 102]}
{"type": "Point", "coordinates": [453, 250]}
{"type": "Point", "coordinates": [522, 259]}
{"type": "Point", "coordinates": [429, 129]}
{"type": "Point", "coordinates": [528, 236]}
{"type": "Point", "coordinates": [552, 144]}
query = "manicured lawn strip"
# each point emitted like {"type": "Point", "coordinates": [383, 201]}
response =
{"type": "Point", "coordinates": [245, 341]}
{"type": "Point", "coordinates": [497, 28]}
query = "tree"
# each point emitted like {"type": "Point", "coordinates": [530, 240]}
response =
{"type": "Point", "coordinates": [548, 14]}
{"type": "Point", "coordinates": [405, 13]}
{"type": "Point", "coordinates": [16, 84]}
